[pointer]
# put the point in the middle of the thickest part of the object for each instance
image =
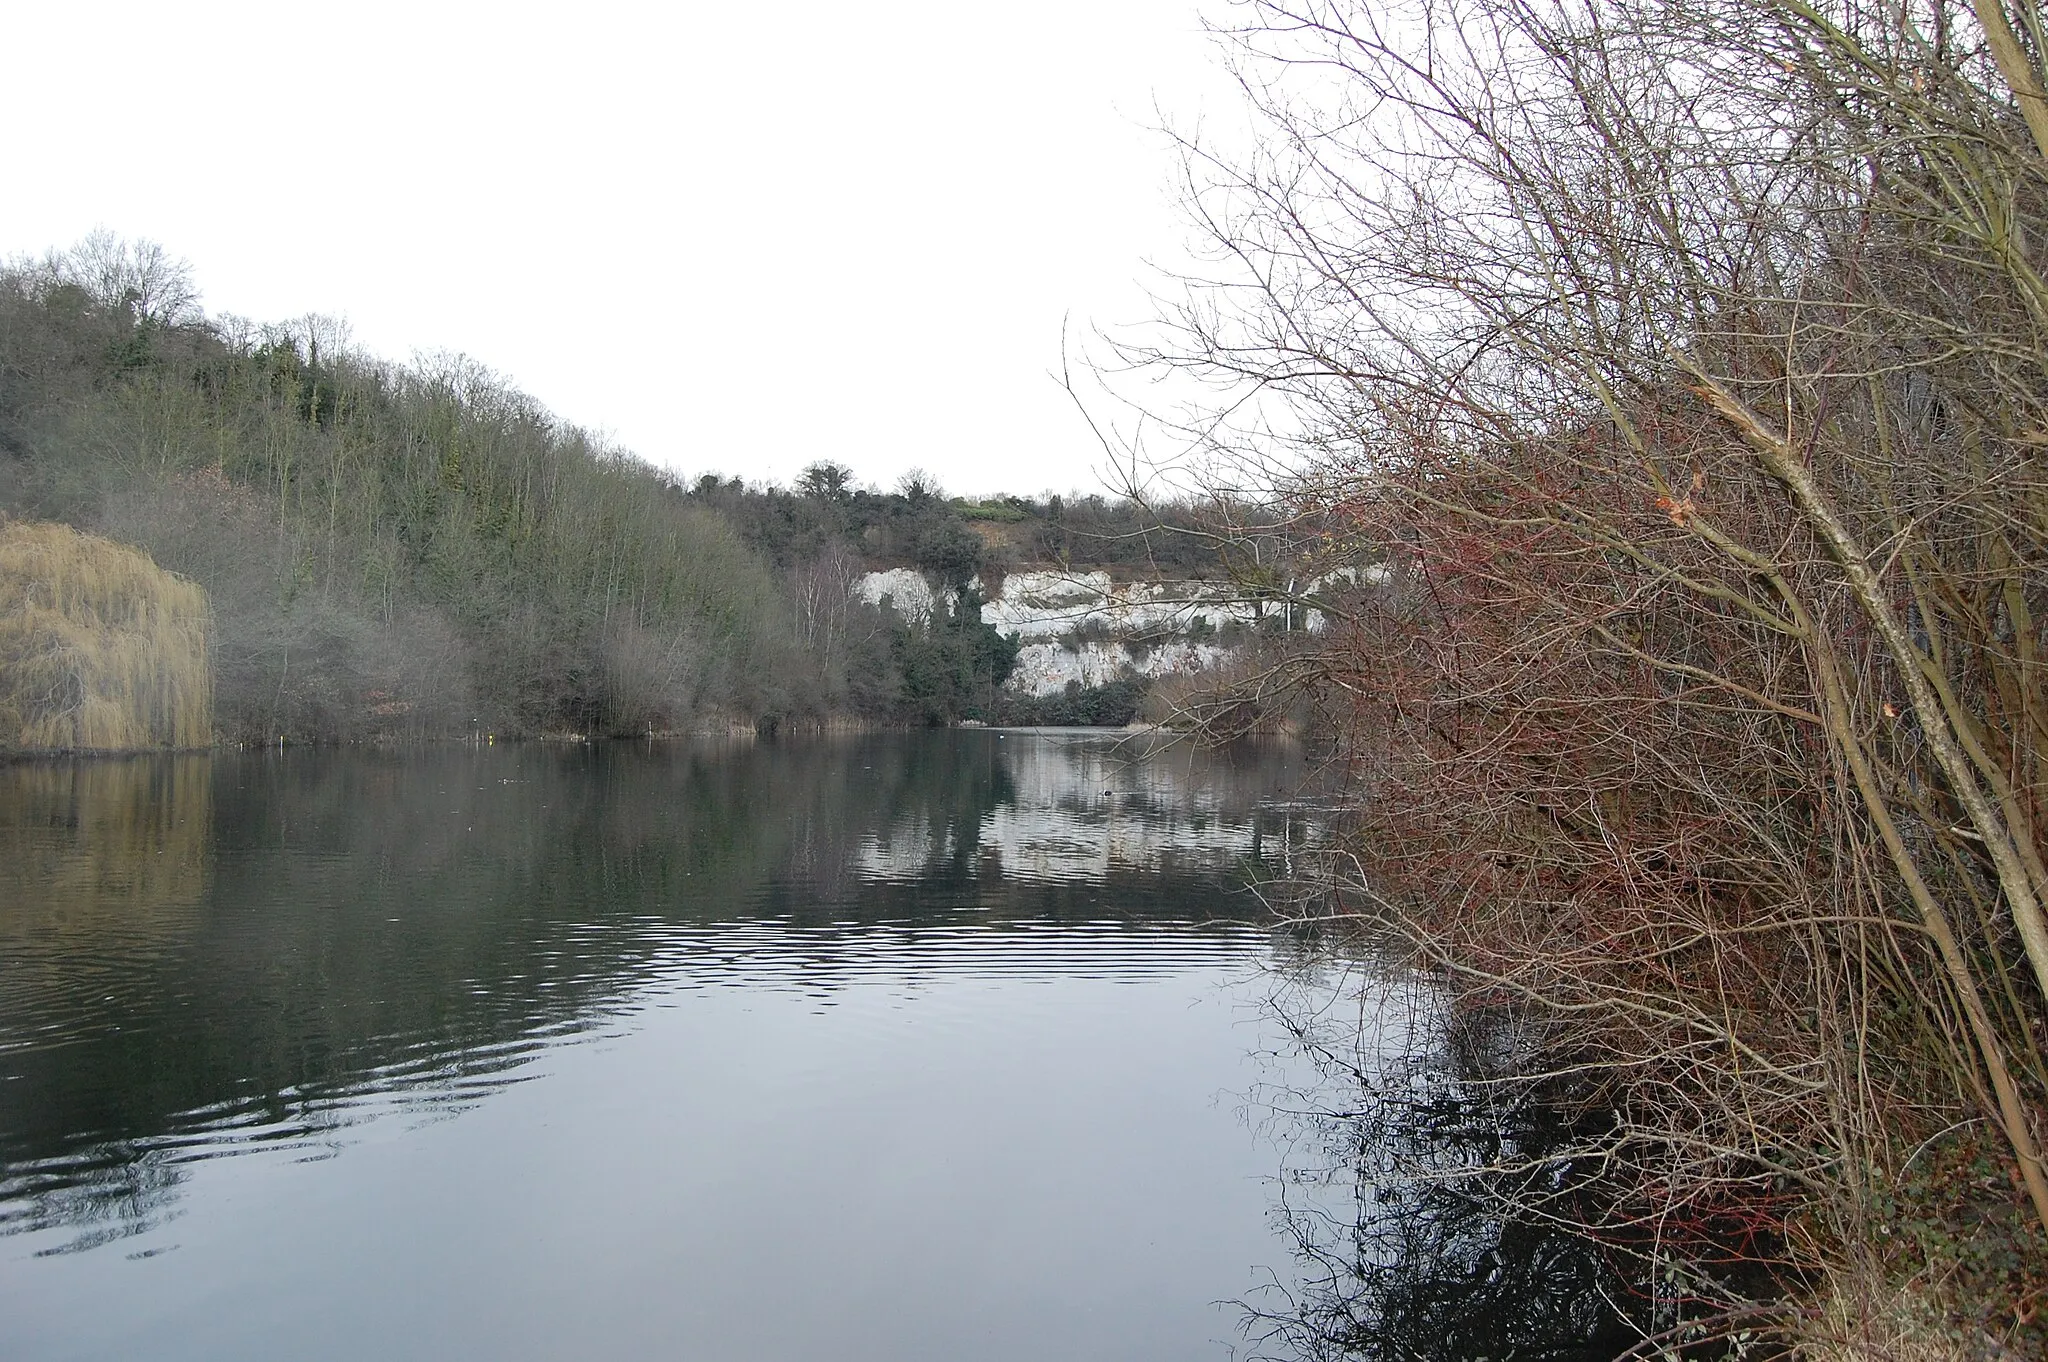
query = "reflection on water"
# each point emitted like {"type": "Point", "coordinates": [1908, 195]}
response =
{"type": "Point", "coordinates": [106, 857]}
{"type": "Point", "coordinates": [907, 1046]}
{"type": "Point", "coordinates": [265, 953]}
{"type": "Point", "coordinates": [1425, 1190]}
{"type": "Point", "coordinates": [1082, 812]}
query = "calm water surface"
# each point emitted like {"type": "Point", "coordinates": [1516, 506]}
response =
{"type": "Point", "coordinates": [907, 1047]}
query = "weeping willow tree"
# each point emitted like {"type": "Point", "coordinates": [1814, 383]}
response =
{"type": "Point", "coordinates": [100, 649]}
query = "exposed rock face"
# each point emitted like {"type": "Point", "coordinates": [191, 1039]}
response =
{"type": "Point", "coordinates": [1037, 605]}
{"type": "Point", "coordinates": [1046, 668]}
{"type": "Point", "coordinates": [1085, 628]}
{"type": "Point", "coordinates": [905, 589]}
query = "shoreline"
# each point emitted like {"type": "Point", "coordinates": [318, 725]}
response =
{"type": "Point", "coordinates": [838, 728]}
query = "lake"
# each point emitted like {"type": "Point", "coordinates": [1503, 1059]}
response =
{"type": "Point", "coordinates": [906, 1046]}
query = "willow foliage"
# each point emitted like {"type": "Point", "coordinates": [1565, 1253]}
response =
{"type": "Point", "coordinates": [99, 647]}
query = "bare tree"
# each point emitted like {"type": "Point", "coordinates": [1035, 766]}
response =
{"type": "Point", "coordinates": [140, 276]}
{"type": "Point", "coordinates": [1688, 364]}
{"type": "Point", "coordinates": [822, 596]}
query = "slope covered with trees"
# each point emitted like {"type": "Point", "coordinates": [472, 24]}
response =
{"type": "Point", "coordinates": [399, 551]}
{"type": "Point", "coordinates": [421, 551]}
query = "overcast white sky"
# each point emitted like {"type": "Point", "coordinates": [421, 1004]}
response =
{"type": "Point", "coordinates": [735, 238]}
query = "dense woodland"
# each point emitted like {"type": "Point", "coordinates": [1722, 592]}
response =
{"type": "Point", "coordinates": [421, 551]}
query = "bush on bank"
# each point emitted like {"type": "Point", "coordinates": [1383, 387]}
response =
{"type": "Point", "coordinates": [1687, 363]}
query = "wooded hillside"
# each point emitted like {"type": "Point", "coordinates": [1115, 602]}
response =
{"type": "Point", "coordinates": [389, 550]}
{"type": "Point", "coordinates": [416, 551]}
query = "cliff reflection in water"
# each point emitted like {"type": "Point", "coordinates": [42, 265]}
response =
{"type": "Point", "coordinates": [1078, 810]}
{"type": "Point", "coordinates": [205, 955]}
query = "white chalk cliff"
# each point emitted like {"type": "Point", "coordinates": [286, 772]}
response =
{"type": "Point", "coordinates": [1086, 628]}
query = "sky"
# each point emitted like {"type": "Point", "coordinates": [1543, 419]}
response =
{"type": "Point", "coordinates": [731, 238]}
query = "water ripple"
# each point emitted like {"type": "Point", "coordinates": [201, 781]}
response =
{"type": "Point", "coordinates": [242, 955]}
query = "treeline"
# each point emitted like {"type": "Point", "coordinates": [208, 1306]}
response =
{"type": "Point", "coordinates": [873, 659]}
{"type": "Point", "coordinates": [822, 533]}
{"type": "Point", "coordinates": [962, 538]}
{"type": "Point", "coordinates": [421, 551]}
{"type": "Point", "coordinates": [388, 550]}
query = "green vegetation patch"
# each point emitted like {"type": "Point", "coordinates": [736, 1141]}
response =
{"type": "Point", "coordinates": [1111, 705]}
{"type": "Point", "coordinates": [1000, 513]}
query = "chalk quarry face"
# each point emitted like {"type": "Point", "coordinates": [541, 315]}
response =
{"type": "Point", "coordinates": [1084, 627]}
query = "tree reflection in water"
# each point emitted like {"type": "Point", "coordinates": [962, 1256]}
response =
{"type": "Point", "coordinates": [240, 952]}
{"type": "Point", "coordinates": [1426, 1195]}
